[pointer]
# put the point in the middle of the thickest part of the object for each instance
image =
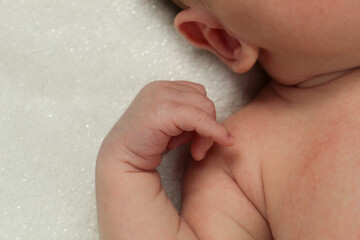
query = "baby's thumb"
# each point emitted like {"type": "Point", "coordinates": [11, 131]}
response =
{"type": "Point", "coordinates": [200, 147]}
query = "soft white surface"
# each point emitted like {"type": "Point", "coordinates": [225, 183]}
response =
{"type": "Point", "coordinates": [68, 70]}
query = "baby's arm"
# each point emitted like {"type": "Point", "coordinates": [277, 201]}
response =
{"type": "Point", "coordinates": [130, 199]}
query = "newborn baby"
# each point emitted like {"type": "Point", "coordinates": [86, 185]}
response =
{"type": "Point", "coordinates": [287, 166]}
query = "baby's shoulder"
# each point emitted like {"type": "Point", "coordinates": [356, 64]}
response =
{"type": "Point", "coordinates": [243, 159]}
{"type": "Point", "coordinates": [249, 126]}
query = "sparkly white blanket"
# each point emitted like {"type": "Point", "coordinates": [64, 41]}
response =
{"type": "Point", "coordinates": [68, 70]}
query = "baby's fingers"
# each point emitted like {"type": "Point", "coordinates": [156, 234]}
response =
{"type": "Point", "coordinates": [200, 147]}
{"type": "Point", "coordinates": [189, 118]}
{"type": "Point", "coordinates": [184, 138]}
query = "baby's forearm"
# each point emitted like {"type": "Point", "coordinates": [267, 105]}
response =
{"type": "Point", "coordinates": [132, 203]}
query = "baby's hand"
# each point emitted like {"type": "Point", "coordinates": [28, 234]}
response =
{"type": "Point", "coordinates": [163, 116]}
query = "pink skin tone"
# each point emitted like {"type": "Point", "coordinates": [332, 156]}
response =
{"type": "Point", "coordinates": [292, 170]}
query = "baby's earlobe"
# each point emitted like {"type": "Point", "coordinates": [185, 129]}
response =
{"type": "Point", "coordinates": [246, 57]}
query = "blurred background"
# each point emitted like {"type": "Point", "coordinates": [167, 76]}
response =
{"type": "Point", "coordinates": [68, 70]}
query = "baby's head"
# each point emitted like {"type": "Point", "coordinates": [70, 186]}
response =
{"type": "Point", "coordinates": [293, 40]}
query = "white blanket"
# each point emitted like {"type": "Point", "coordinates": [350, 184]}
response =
{"type": "Point", "coordinates": [68, 70]}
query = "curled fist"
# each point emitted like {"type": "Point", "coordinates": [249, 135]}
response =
{"type": "Point", "coordinates": [164, 115]}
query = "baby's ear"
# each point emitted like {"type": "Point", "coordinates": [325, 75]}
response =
{"type": "Point", "coordinates": [204, 31]}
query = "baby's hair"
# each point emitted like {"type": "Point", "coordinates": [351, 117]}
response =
{"type": "Point", "coordinates": [179, 4]}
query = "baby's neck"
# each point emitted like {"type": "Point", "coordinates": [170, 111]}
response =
{"type": "Point", "coordinates": [325, 78]}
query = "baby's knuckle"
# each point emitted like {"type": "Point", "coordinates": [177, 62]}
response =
{"type": "Point", "coordinates": [202, 116]}
{"type": "Point", "coordinates": [152, 86]}
{"type": "Point", "coordinates": [161, 113]}
{"type": "Point", "coordinates": [163, 108]}
{"type": "Point", "coordinates": [201, 87]}
{"type": "Point", "coordinates": [156, 84]}
{"type": "Point", "coordinates": [218, 128]}
{"type": "Point", "coordinates": [155, 90]}
{"type": "Point", "coordinates": [209, 106]}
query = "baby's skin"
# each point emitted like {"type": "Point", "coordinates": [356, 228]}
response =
{"type": "Point", "coordinates": [290, 168]}
{"type": "Point", "coordinates": [293, 172]}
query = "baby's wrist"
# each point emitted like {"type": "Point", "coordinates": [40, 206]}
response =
{"type": "Point", "coordinates": [118, 153]}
